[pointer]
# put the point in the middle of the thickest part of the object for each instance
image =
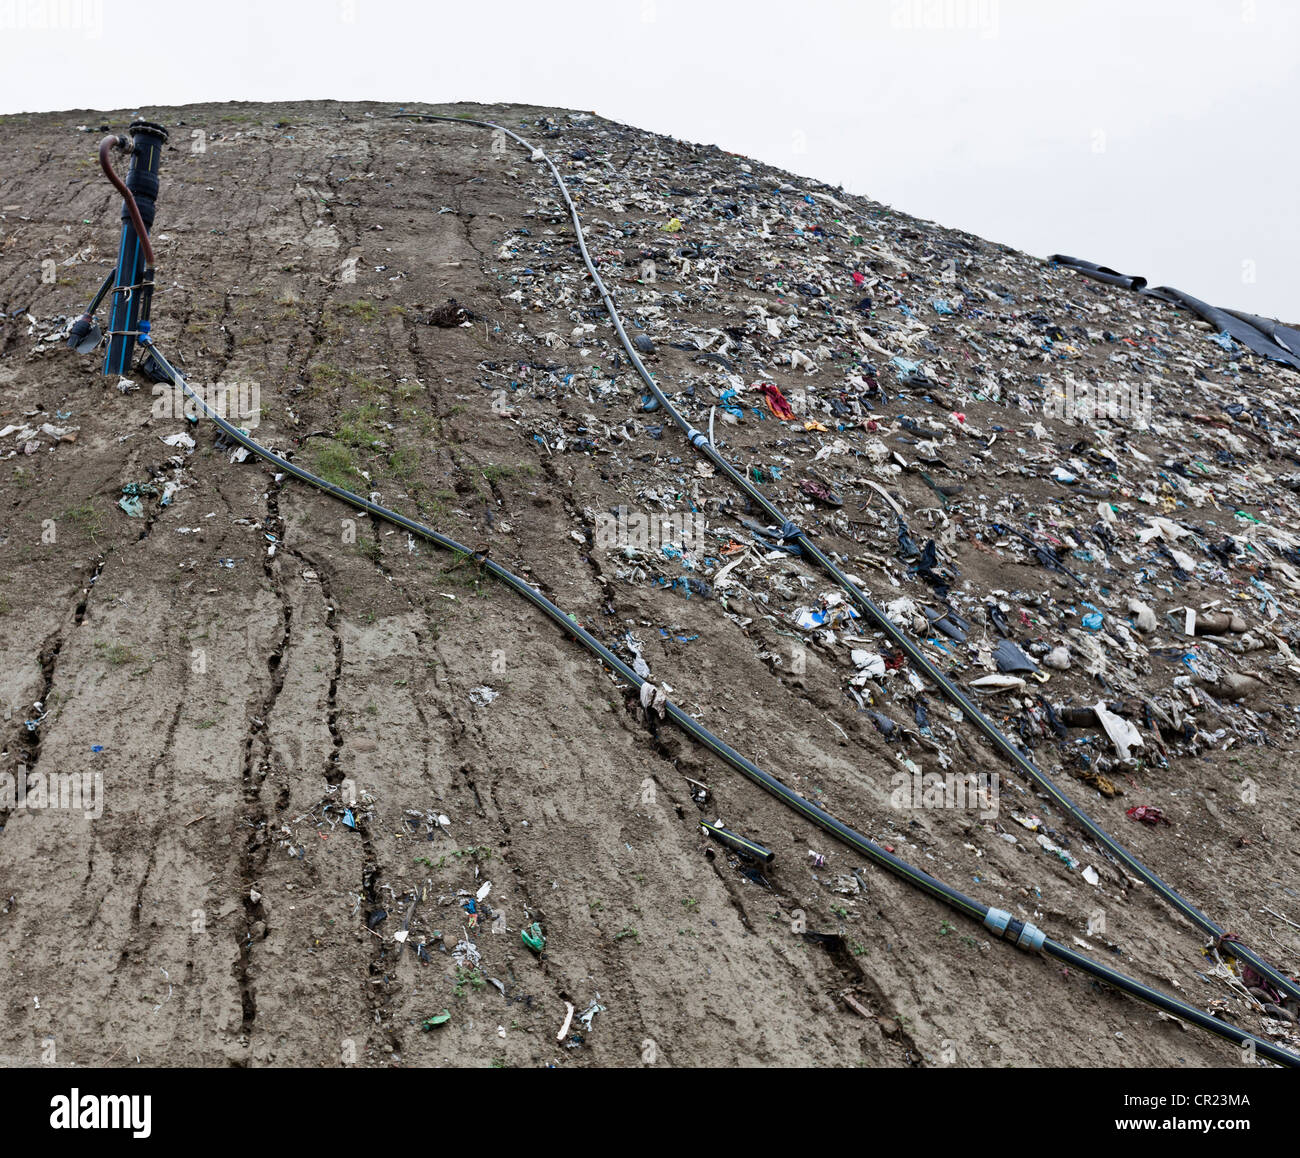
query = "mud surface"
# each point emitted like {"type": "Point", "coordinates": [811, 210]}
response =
{"type": "Point", "coordinates": [284, 699]}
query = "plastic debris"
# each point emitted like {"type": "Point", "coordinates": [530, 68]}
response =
{"type": "Point", "coordinates": [1123, 734]}
{"type": "Point", "coordinates": [1147, 814]}
{"type": "Point", "coordinates": [133, 496]}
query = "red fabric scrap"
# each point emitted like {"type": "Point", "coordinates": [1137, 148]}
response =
{"type": "Point", "coordinates": [776, 402]}
{"type": "Point", "coordinates": [1146, 814]}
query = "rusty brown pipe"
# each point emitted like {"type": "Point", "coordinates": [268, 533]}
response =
{"type": "Point", "coordinates": [106, 146]}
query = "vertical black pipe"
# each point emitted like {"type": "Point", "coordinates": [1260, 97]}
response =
{"type": "Point", "coordinates": [133, 286]}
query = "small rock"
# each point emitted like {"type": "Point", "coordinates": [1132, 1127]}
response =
{"type": "Point", "coordinates": [1240, 687]}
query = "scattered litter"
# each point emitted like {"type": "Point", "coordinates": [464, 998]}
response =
{"type": "Point", "coordinates": [588, 1016]}
{"type": "Point", "coordinates": [568, 1021]}
{"type": "Point", "coordinates": [1147, 814]}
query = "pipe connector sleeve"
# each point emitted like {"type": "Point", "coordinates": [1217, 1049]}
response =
{"type": "Point", "coordinates": [996, 921]}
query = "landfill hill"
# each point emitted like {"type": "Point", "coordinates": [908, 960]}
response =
{"type": "Point", "coordinates": [239, 660]}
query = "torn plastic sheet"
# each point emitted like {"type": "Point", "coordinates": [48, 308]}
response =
{"type": "Point", "coordinates": [1264, 336]}
{"type": "Point", "coordinates": [133, 496]}
{"type": "Point", "coordinates": [1011, 659]}
{"type": "Point", "coordinates": [809, 618]}
{"type": "Point", "coordinates": [1122, 733]}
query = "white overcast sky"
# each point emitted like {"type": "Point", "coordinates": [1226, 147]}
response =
{"type": "Point", "coordinates": [1155, 136]}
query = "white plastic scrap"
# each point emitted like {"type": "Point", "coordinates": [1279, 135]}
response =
{"type": "Point", "coordinates": [568, 1021]}
{"type": "Point", "coordinates": [1143, 616]}
{"type": "Point", "coordinates": [868, 662]}
{"type": "Point", "coordinates": [1122, 733]}
{"type": "Point", "coordinates": [466, 952]}
{"type": "Point", "coordinates": [653, 699]}
{"type": "Point", "coordinates": [589, 1014]}
{"type": "Point", "coordinates": [901, 612]}
{"type": "Point", "coordinates": [639, 664]}
{"type": "Point", "coordinates": [1058, 658]}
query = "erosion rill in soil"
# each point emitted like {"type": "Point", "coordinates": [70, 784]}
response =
{"type": "Point", "coordinates": [305, 860]}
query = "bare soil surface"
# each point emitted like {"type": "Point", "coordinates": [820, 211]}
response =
{"type": "Point", "coordinates": [305, 784]}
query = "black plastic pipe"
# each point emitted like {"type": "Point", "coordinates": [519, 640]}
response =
{"type": "Point", "coordinates": [80, 329]}
{"type": "Point", "coordinates": [1014, 754]}
{"type": "Point", "coordinates": [133, 284]}
{"type": "Point", "coordinates": [998, 922]}
{"type": "Point", "coordinates": [741, 844]}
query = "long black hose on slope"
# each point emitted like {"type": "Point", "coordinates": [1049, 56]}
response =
{"type": "Point", "coordinates": [999, 922]}
{"type": "Point", "coordinates": [791, 532]}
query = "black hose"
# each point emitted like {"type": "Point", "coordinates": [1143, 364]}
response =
{"type": "Point", "coordinates": [740, 843]}
{"type": "Point", "coordinates": [999, 922]}
{"type": "Point", "coordinates": [100, 294]}
{"type": "Point", "coordinates": [80, 328]}
{"type": "Point", "coordinates": [793, 533]}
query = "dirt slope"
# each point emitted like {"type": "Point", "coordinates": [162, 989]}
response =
{"type": "Point", "coordinates": [236, 663]}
